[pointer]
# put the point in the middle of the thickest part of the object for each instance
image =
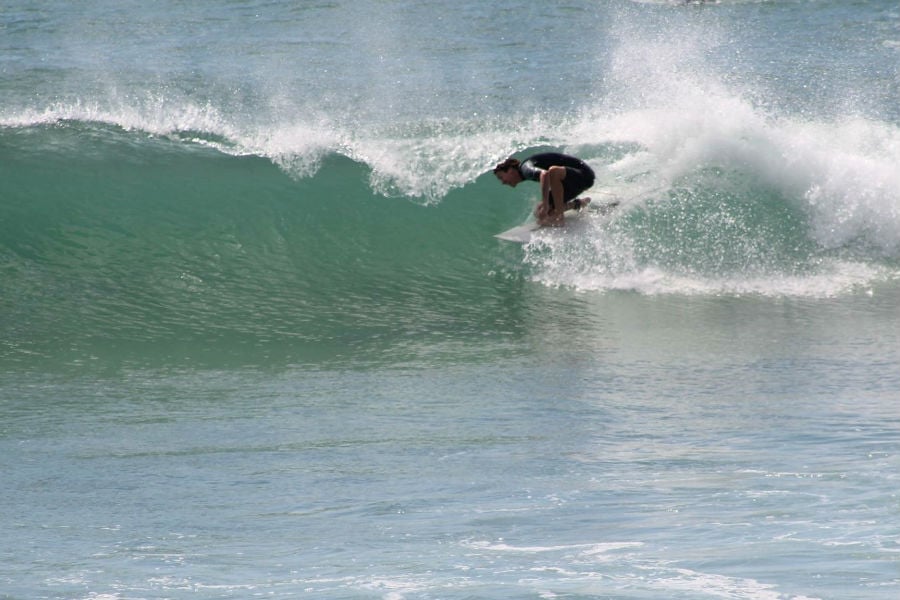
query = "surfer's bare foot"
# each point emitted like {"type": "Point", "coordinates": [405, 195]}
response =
{"type": "Point", "coordinates": [579, 203]}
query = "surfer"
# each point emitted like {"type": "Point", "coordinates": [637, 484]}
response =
{"type": "Point", "coordinates": [562, 178]}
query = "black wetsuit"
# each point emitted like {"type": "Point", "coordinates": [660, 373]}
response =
{"type": "Point", "coordinates": [579, 176]}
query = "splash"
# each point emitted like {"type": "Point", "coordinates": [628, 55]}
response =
{"type": "Point", "coordinates": [721, 192]}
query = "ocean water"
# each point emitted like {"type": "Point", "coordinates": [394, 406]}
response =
{"type": "Point", "coordinates": [257, 339]}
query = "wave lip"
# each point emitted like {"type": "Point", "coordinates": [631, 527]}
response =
{"type": "Point", "coordinates": [421, 160]}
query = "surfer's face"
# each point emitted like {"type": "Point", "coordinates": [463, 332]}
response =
{"type": "Point", "coordinates": [510, 177]}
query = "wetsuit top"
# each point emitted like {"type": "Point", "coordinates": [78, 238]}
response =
{"type": "Point", "coordinates": [579, 176]}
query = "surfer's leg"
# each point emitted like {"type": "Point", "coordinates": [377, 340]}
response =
{"type": "Point", "coordinates": [557, 202]}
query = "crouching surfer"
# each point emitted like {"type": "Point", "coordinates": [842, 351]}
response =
{"type": "Point", "coordinates": [562, 179]}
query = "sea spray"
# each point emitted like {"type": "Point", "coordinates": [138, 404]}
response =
{"type": "Point", "coordinates": [722, 190]}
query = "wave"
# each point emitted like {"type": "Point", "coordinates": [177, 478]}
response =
{"type": "Point", "coordinates": [719, 190]}
{"type": "Point", "coordinates": [183, 224]}
{"type": "Point", "coordinates": [116, 239]}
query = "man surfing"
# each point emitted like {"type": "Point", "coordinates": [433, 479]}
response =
{"type": "Point", "coordinates": [562, 178]}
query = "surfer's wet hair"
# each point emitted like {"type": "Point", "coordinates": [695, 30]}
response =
{"type": "Point", "coordinates": [506, 165]}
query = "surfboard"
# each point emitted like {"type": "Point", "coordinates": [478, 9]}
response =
{"type": "Point", "coordinates": [519, 233]}
{"type": "Point", "coordinates": [523, 233]}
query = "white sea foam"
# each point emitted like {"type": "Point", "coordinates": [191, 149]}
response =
{"type": "Point", "coordinates": [585, 549]}
{"type": "Point", "coordinates": [598, 569]}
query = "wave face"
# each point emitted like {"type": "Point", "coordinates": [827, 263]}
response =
{"type": "Point", "coordinates": [125, 237]}
{"type": "Point", "coordinates": [188, 208]}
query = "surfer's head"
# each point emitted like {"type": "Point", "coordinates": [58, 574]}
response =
{"type": "Point", "coordinates": [508, 173]}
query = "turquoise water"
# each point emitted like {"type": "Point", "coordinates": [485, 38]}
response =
{"type": "Point", "coordinates": [257, 338]}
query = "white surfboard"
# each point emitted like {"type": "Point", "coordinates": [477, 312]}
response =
{"type": "Point", "coordinates": [519, 233]}
{"type": "Point", "coordinates": [522, 234]}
